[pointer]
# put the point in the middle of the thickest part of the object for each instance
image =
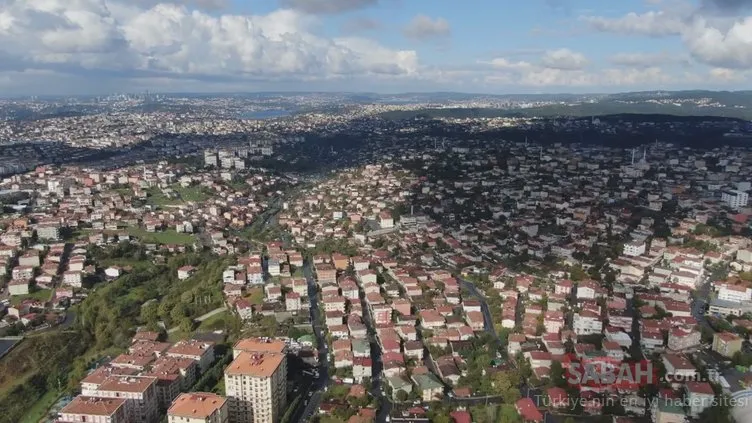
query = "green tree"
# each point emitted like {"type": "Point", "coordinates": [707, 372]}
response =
{"type": "Point", "coordinates": [576, 273]}
{"type": "Point", "coordinates": [557, 374]}
{"type": "Point", "coordinates": [150, 312]}
{"type": "Point", "coordinates": [186, 325]}
{"type": "Point", "coordinates": [508, 414]}
{"type": "Point", "coordinates": [441, 418]}
{"type": "Point", "coordinates": [505, 384]}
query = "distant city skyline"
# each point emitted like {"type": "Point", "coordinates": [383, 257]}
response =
{"type": "Point", "coordinates": [95, 47]}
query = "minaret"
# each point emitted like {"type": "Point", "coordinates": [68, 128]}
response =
{"type": "Point", "coordinates": [633, 152]}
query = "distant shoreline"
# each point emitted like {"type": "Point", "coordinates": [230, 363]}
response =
{"type": "Point", "coordinates": [265, 114]}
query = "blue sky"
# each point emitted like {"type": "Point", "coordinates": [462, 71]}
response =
{"type": "Point", "coordinates": [495, 46]}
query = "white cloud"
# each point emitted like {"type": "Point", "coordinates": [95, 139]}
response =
{"type": "Point", "coordinates": [328, 6]}
{"type": "Point", "coordinates": [647, 59]}
{"type": "Point", "coordinates": [564, 68]}
{"type": "Point", "coordinates": [543, 77]}
{"type": "Point", "coordinates": [723, 41]}
{"type": "Point", "coordinates": [170, 39]}
{"type": "Point", "coordinates": [423, 27]}
{"type": "Point", "coordinates": [654, 24]}
{"type": "Point", "coordinates": [726, 75]}
{"type": "Point", "coordinates": [564, 59]}
{"type": "Point", "coordinates": [730, 48]}
{"type": "Point", "coordinates": [504, 64]}
{"type": "Point", "coordinates": [201, 4]}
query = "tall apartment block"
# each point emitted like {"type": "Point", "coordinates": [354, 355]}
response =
{"type": "Point", "coordinates": [256, 381]}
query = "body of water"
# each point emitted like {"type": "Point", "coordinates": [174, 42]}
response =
{"type": "Point", "coordinates": [265, 114]}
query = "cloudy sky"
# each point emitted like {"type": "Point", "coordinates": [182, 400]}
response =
{"type": "Point", "coordinates": [495, 46]}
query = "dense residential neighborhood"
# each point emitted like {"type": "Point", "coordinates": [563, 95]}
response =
{"type": "Point", "coordinates": [418, 278]}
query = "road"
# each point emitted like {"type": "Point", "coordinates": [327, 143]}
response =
{"type": "Point", "coordinates": [702, 296]}
{"type": "Point", "coordinates": [201, 318]}
{"type": "Point", "coordinates": [385, 405]}
{"type": "Point", "coordinates": [487, 319]}
{"type": "Point", "coordinates": [320, 384]}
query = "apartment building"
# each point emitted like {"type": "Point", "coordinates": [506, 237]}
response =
{"type": "Point", "coordinates": [587, 323]}
{"type": "Point", "coordinates": [259, 345]}
{"type": "Point", "coordinates": [726, 343]}
{"type": "Point", "coordinates": [256, 380]}
{"type": "Point", "coordinates": [634, 248]}
{"type": "Point", "coordinates": [256, 387]}
{"type": "Point", "coordinates": [735, 199]}
{"type": "Point", "coordinates": [735, 293]}
{"type": "Point", "coordinates": [140, 393]}
{"type": "Point", "coordinates": [92, 409]}
{"type": "Point", "coordinates": [202, 352]}
{"type": "Point", "coordinates": [199, 407]}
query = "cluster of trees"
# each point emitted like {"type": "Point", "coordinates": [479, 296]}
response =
{"type": "Point", "coordinates": [151, 293]}
{"type": "Point", "coordinates": [701, 245]}
{"type": "Point", "coordinates": [341, 394]}
{"type": "Point", "coordinates": [40, 363]}
{"type": "Point", "coordinates": [210, 378]}
{"type": "Point", "coordinates": [106, 320]}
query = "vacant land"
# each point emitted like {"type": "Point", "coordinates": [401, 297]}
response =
{"type": "Point", "coordinates": [218, 321]}
{"type": "Point", "coordinates": [195, 193]}
{"type": "Point", "coordinates": [177, 195]}
{"type": "Point", "coordinates": [255, 295]}
{"type": "Point", "coordinates": [34, 368]}
{"type": "Point", "coordinates": [39, 409]}
{"type": "Point", "coordinates": [165, 237]}
{"type": "Point", "coordinates": [40, 295]}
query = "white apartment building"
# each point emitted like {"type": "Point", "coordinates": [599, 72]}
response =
{"type": "Point", "coordinates": [735, 293]}
{"type": "Point", "coordinates": [199, 407]}
{"type": "Point", "coordinates": [385, 220]}
{"type": "Point", "coordinates": [634, 248]}
{"type": "Point", "coordinates": [587, 323]}
{"type": "Point", "coordinates": [72, 278]}
{"type": "Point", "coordinates": [744, 255]}
{"type": "Point", "coordinates": [50, 232]}
{"type": "Point", "coordinates": [274, 267]}
{"type": "Point", "coordinates": [735, 199]}
{"type": "Point", "coordinates": [700, 396]}
{"type": "Point", "coordinates": [255, 275]}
